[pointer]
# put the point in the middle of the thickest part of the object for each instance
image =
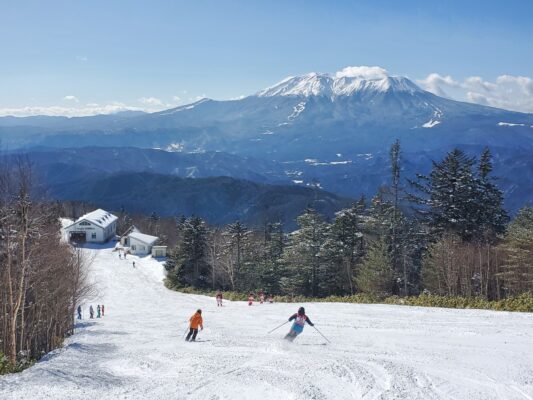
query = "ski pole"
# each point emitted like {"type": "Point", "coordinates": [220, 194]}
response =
{"type": "Point", "coordinates": [277, 327]}
{"type": "Point", "coordinates": [184, 333]}
{"type": "Point", "coordinates": [321, 334]}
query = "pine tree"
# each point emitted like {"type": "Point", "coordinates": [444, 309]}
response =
{"type": "Point", "coordinates": [492, 218]}
{"type": "Point", "coordinates": [376, 275]}
{"type": "Point", "coordinates": [518, 245]}
{"type": "Point", "coordinates": [271, 265]}
{"type": "Point", "coordinates": [343, 250]}
{"type": "Point", "coordinates": [303, 255]}
{"type": "Point", "coordinates": [192, 268]}
{"type": "Point", "coordinates": [449, 204]}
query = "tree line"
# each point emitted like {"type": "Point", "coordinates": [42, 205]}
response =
{"type": "Point", "coordinates": [41, 278]}
{"type": "Point", "coordinates": [445, 233]}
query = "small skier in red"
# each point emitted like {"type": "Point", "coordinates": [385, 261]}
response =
{"type": "Point", "coordinates": [219, 298]}
{"type": "Point", "coordinates": [261, 296]}
{"type": "Point", "coordinates": [270, 299]}
{"type": "Point", "coordinates": [250, 299]}
{"type": "Point", "coordinates": [103, 310]}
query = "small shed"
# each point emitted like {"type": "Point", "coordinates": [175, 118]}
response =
{"type": "Point", "coordinates": [140, 243]}
{"type": "Point", "coordinates": [159, 251]}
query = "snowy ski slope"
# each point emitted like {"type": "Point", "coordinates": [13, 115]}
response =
{"type": "Point", "coordinates": [378, 352]}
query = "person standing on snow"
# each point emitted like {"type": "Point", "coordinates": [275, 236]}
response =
{"type": "Point", "coordinates": [298, 326]}
{"type": "Point", "coordinates": [98, 311]}
{"type": "Point", "coordinates": [79, 312]}
{"type": "Point", "coordinates": [103, 310]}
{"type": "Point", "coordinates": [91, 312]}
{"type": "Point", "coordinates": [134, 264]}
{"type": "Point", "coordinates": [250, 299]}
{"type": "Point", "coordinates": [194, 322]}
{"type": "Point", "coordinates": [219, 298]}
{"type": "Point", "coordinates": [261, 296]}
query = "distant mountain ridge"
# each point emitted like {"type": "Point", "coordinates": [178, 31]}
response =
{"type": "Point", "coordinates": [333, 130]}
{"type": "Point", "coordinates": [219, 200]}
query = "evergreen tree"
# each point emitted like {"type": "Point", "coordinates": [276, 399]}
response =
{"type": "Point", "coordinates": [343, 250]}
{"type": "Point", "coordinates": [449, 204]}
{"type": "Point", "coordinates": [192, 268]}
{"type": "Point", "coordinates": [271, 266]}
{"type": "Point", "coordinates": [518, 245]}
{"type": "Point", "coordinates": [303, 255]}
{"type": "Point", "coordinates": [492, 218]}
{"type": "Point", "coordinates": [376, 275]}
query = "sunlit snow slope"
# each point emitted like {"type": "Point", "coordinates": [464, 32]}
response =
{"type": "Point", "coordinates": [378, 352]}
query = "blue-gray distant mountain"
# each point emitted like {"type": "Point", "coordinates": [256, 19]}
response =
{"type": "Point", "coordinates": [329, 130]}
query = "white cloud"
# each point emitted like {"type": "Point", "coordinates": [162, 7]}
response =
{"type": "Point", "coordinates": [151, 101]}
{"type": "Point", "coordinates": [176, 99]}
{"type": "Point", "coordinates": [89, 109]}
{"type": "Point", "coordinates": [363, 72]}
{"type": "Point", "coordinates": [434, 83]}
{"type": "Point", "coordinates": [507, 91]}
{"type": "Point", "coordinates": [71, 98]}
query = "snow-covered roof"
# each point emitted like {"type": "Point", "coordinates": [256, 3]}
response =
{"type": "Point", "coordinates": [98, 217]}
{"type": "Point", "coordinates": [148, 239]}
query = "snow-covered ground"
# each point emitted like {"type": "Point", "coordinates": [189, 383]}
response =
{"type": "Point", "coordinates": [137, 350]}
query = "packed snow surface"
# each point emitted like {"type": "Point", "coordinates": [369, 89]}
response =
{"type": "Point", "coordinates": [137, 350]}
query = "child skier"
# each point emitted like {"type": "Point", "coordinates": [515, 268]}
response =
{"type": "Point", "coordinates": [250, 299]}
{"type": "Point", "coordinates": [261, 296]}
{"type": "Point", "coordinates": [298, 326]}
{"type": "Point", "coordinates": [219, 298]}
{"type": "Point", "coordinates": [91, 312]}
{"type": "Point", "coordinates": [195, 322]}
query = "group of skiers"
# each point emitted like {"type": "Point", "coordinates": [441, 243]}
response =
{"type": "Point", "coordinates": [100, 311]}
{"type": "Point", "coordinates": [261, 295]}
{"type": "Point", "coordinates": [251, 298]}
{"type": "Point", "coordinates": [299, 318]}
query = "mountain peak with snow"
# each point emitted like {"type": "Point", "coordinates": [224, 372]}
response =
{"type": "Point", "coordinates": [346, 82]}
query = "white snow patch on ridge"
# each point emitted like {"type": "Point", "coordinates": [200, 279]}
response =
{"type": "Point", "coordinates": [137, 350]}
{"type": "Point", "coordinates": [431, 123]}
{"type": "Point", "coordinates": [510, 124]}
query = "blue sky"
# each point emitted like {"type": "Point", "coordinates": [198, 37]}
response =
{"type": "Point", "coordinates": [61, 55]}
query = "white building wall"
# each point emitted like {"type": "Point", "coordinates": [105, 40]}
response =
{"type": "Point", "coordinates": [139, 248]}
{"type": "Point", "coordinates": [93, 233]}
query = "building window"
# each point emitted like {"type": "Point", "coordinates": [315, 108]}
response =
{"type": "Point", "coordinates": [85, 223]}
{"type": "Point", "coordinates": [133, 247]}
{"type": "Point", "coordinates": [93, 235]}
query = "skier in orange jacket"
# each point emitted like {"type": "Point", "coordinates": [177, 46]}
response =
{"type": "Point", "coordinates": [195, 322]}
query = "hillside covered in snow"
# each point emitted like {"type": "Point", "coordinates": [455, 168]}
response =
{"type": "Point", "coordinates": [137, 350]}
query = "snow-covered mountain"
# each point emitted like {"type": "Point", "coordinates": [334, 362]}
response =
{"type": "Point", "coordinates": [347, 82]}
{"type": "Point", "coordinates": [318, 126]}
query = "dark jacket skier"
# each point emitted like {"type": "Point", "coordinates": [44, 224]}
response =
{"type": "Point", "coordinates": [91, 312]}
{"type": "Point", "coordinates": [79, 312]}
{"type": "Point", "coordinates": [298, 326]}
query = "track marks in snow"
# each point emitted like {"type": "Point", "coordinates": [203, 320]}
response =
{"type": "Point", "coordinates": [378, 352]}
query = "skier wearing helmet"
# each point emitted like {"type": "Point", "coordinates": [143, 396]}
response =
{"type": "Point", "coordinates": [298, 326]}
